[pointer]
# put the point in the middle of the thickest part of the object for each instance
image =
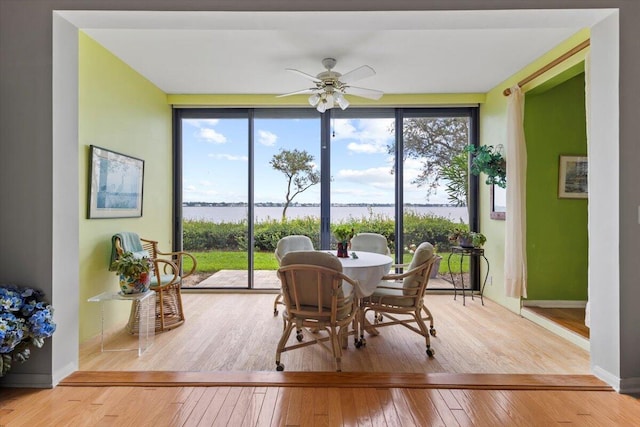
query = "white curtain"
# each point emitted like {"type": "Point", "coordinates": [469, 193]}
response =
{"type": "Point", "coordinates": [587, 103]}
{"type": "Point", "coordinates": [515, 261]}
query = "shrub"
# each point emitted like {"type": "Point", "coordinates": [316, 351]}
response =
{"type": "Point", "coordinates": [199, 235]}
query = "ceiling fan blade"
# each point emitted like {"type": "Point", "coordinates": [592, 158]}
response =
{"type": "Point", "coordinates": [357, 74]}
{"type": "Point", "coordinates": [364, 93]}
{"type": "Point", "coordinates": [298, 92]}
{"type": "Point", "coordinates": [305, 75]}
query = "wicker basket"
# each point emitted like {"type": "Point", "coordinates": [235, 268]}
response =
{"type": "Point", "coordinates": [170, 301]}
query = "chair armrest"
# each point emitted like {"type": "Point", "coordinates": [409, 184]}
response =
{"type": "Point", "coordinates": [158, 272]}
{"type": "Point", "coordinates": [176, 256]}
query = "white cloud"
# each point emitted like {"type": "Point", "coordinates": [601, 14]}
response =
{"type": "Point", "coordinates": [230, 157]}
{"type": "Point", "coordinates": [211, 135]}
{"type": "Point", "coordinates": [379, 177]}
{"type": "Point", "coordinates": [372, 136]}
{"type": "Point", "coordinates": [366, 148]}
{"type": "Point", "coordinates": [267, 138]}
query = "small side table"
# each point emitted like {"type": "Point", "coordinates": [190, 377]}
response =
{"type": "Point", "coordinates": [147, 330]}
{"type": "Point", "coordinates": [469, 252]}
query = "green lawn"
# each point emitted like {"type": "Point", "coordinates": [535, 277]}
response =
{"type": "Point", "coordinates": [210, 262]}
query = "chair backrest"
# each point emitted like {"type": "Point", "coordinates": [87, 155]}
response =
{"type": "Point", "coordinates": [127, 241]}
{"type": "Point", "coordinates": [292, 243]}
{"type": "Point", "coordinates": [370, 242]}
{"type": "Point", "coordinates": [312, 285]}
{"type": "Point", "coordinates": [422, 255]}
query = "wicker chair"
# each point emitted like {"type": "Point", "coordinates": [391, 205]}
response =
{"type": "Point", "coordinates": [166, 282]}
{"type": "Point", "coordinates": [403, 295]}
{"type": "Point", "coordinates": [285, 245]}
{"type": "Point", "coordinates": [370, 242]}
{"type": "Point", "coordinates": [312, 286]}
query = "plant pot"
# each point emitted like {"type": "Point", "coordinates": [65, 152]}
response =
{"type": "Point", "coordinates": [465, 242]}
{"type": "Point", "coordinates": [343, 251]}
{"type": "Point", "coordinates": [134, 285]}
{"type": "Point", "coordinates": [435, 268]}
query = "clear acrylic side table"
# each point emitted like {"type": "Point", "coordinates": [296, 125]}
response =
{"type": "Point", "coordinates": [147, 329]}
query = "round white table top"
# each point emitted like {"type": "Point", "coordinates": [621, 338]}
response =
{"type": "Point", "coordinates": [367, 269]}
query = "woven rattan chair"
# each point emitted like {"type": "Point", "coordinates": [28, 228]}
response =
{"type": "Point", "coordinates": [370, 242]}
{"type": "Point", "coordinates": [315, 302]}
{"type": "Point", "coordinates": [166, 282]}
{"type": "Point", "coordinates": [285, 245]}
{"type": "Point", "coordinates": [399, 298]}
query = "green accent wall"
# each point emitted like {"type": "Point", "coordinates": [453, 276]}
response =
{"type": "Point", "coordinates": [121, 111]}
{"type": "Point", "coordinates": [557, 233]}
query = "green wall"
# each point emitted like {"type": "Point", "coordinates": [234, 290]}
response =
{"type": "Point", "coordinates": [556, 228]}
{"type": "Point", "coordinates": [121, 111]}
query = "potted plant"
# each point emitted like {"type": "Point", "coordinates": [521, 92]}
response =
{"type": "Point", "coordinates": [343, 233]}
{"type": "Point", "coordinates": [490, 161]}
{"type": "Point", "coordinates": [134, 273]}
{"type": "Point", "coordinates": [467, 239]}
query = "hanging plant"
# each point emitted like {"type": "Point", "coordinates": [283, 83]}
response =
{"type": "Point", "coordinates": [490, 161]}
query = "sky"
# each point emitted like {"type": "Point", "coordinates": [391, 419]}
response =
{"type": "Point", "coordinates": [215, 161]}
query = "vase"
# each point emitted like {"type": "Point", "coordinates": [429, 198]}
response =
{"type": "Point", "coordinates": [134, 284]}
{"type": "Point", "coordinates": [343, 252]}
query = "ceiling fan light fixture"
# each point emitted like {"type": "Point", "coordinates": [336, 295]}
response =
{"type": "Point", "coordinates": [314, 99]}
{"type": "Point", "coordinates": [341, 101]}
{"type": "Point", "coordinates": [330, 86]}
{"type": "Point", "coordinates": [322, 105]}
{"type": "Point", "coordinates": [329, 100]}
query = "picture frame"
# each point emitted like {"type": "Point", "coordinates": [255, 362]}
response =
{"type": "Point", "coordinates": [498, 202]}
{"type": "Point", "coordinates": [115, 184]}
{"type": "Point", "coordinates": [573, 177]}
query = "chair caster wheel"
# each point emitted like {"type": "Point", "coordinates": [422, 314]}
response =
{"type": "Point", "coordinates": [299, 337]}
{"type": "Point", "coordinates": [361, 343]}
{"type": "Point", "coordinates": [432, 332]}
{"type": "Point", "coordinates": [430, 352]}
{"type": "Point", "coordinates": [279, 367]}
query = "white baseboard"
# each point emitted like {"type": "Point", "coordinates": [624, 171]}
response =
{"type": "Point", "coordinates": [563, 332]}
{"type": "Point", "coordinates": [554, 303]}
{"type": "Point", "coordinates": [607, 377]}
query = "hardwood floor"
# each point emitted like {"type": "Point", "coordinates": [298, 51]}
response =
{"type": "Point", "coordinates": [492, 368]}
{"type": "Point", "coordinates": [312, 406]}
{"type": "Point", "coordinates": [238, 332]}
{"type": "Point", "coordinates": [569, 318]}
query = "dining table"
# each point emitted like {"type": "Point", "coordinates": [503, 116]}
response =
{"type": "Point", "coordinates": [367, 269]}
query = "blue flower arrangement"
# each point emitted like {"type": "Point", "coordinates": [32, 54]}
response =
{"type": "Point", "coordinates": [25, 321]}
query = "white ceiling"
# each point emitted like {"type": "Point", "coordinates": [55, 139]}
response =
{"type": "Point", "coordinates": [411, 51]}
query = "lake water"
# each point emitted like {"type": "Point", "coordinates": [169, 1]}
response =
{"type": "Point", "coordinates": [338, 213]}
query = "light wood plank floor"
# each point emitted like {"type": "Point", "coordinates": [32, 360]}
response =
{"type": "Point", "coordinates": [312, 406]}
{"type": "Point", "coordinates": [238, 332]}
{"type": "Point", "coordinates": [569, 318]}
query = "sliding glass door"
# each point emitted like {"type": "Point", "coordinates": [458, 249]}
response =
{"type": "Point", "coordinates": [247, 177]}
{"type": "Point", "coordinates": [286, 184]}
{"type": "Point", "coordinates": [362, 170]}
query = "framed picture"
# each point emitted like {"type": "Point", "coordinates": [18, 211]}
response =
{"type": "Point", "coordinates": [572, 177]}
{"type": "Point", "coordinates": [115, 184]}
{"type": "Point", "coordinates": [498, 201]}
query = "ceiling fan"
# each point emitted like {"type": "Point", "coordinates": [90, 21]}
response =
{"type": "Point", "coordinates": [331, 86]}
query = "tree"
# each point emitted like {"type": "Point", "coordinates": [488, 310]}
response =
{"type": "Point", "coordinates": [457, 175]}
{"type": "Point", "coordinates": [435, 141]}
{"type": "Point", "coordinates": [299, 169]}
